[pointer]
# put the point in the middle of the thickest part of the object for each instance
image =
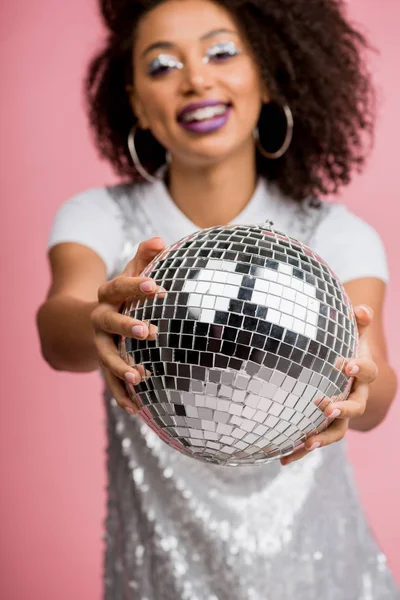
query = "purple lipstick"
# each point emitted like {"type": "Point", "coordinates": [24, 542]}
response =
{"type": "Point", "coordinates": [204, 117]}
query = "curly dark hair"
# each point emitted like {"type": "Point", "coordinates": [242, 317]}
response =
{"type": "Point", "coordinates": [310, 57]}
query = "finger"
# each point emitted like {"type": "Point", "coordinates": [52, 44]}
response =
{"type": "Point", "coordinates": [363, 368]}
{"type": "Point", "coordinates": [118, 391]}
{"type": "Point", "coordinates": [334, 433]}
{"type": "Point", "coordinates": [298, 454]}
{"type": "Point", "coordinates": [120, 288]}
{"type": "Point", "coordinates": [145, 253]}
{"type": "Point", "coordinates": [324, 402]}
{"type": "Point", "coordinates": [364, 315]}
{"type": "Point", "coordinates": [110, 359]}
{"type": "Point", "coordinates": [340, 363]}
{"type": "Point", "coordinates": [124, 368]}
{"type": "Point", "coordinates": [353, 407]}
{"type": "Point", "coordinates": [108, 320]}
{"type": "Point", "coordinates": [294, 457]}
{"type": "Point", "coordinates": [144, 373]}
{"type": "Point", "coordinates": [153, 330]}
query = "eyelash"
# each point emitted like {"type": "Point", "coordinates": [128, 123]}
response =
{"type": "Point", "coordinates": [162, 64]}
{"type": "Point", "coordinates": [220, 53]}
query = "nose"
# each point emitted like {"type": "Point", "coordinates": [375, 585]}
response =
{"type": "Point", "coordinates": [197, 77]}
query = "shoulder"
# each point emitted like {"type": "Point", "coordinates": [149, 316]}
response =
{"type": "Point", "coordinates": [350, 245]}
{"type": "Point", "coordinates": [91, 218]}
{"type": "Point", "coordinates": [337, 212]}
{"type": "Point", "coordinates": [129, 197]}
{"type": "Point", "coordinates": [90, 208]}
{"type": "Point", "coordinates": [113, 204]}
{"type": "Point", "coordinates": [340, 224]}
{"type": "Point", "coordinates": [111, 197]}
{"type": "Point", "coordinates": [108, 219]}
{"type": "Point", "coordinates": [92, 199]}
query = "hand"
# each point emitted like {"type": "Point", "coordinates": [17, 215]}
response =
{"type": "Point", "coordinates": [364, 370]}
{"type": "Point", "coordinates": [107, 321]}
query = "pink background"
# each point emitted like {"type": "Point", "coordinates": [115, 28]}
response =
{"type": "Point", "coordinates": [52, 424]}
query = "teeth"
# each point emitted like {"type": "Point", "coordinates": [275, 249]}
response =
{"type": "Point", "coordinates": [201, 114]}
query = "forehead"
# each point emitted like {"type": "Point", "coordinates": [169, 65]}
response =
{"type": "Point", "coordinates": [181, 21]}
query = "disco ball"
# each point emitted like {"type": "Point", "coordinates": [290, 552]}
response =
{"type": "Point", "coordinates": [253, 336]}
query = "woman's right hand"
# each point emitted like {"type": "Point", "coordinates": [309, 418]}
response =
{"type": "Point", "coordinates": [107, 321]}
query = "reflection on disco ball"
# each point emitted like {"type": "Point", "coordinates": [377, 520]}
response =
{"type": "Point", "coordinates": [253, 335]}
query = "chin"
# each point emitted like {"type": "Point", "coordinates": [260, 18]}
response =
{"type": "Point", "coordinates": [209, 151]}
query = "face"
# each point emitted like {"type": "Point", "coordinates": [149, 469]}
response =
{"type": "Point", "coordinates": [196, 84]}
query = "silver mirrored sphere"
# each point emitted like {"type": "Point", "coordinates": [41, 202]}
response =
{"type": "Point", "coordinates": [254, 332]}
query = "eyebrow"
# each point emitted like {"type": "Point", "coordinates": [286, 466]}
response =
{"type": "Point", "coordinates": [163, 45]}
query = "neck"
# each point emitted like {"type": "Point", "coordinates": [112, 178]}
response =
{"type": "Point", "coordinates": [214, 195]}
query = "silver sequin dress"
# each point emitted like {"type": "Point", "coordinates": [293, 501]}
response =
{"type": "Point", "coordinates": [179, 529]}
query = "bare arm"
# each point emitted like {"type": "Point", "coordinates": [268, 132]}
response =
{"type": "Point", "coordinates": [374, 384]}
{"type": "Point", "coordinates": [80, 317]}
{"type": "Point", "coordinates": [64, 319]}
{"type": "Point", "coordinates": [371, 291]}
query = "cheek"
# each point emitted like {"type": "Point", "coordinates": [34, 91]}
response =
{"type": "Point", "coordinates": [158, 108]}
{"type": "Point", "coordinates": [246, 90]}
{"type": "Point", "coordinates": [153, 107]}
{"type": "Point", "coordinates": [154, 100]}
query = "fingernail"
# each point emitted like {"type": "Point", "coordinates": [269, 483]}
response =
{"type": "Point", "coordinates": [336, 413]}
{"type": "Point", "coordinates": [367, 309]}
{"type": "Point", "coordinates": [130, 411]}
{"type": "Point", "coordinates": [131, 377]}
{"type": "Point", "coordinates": [315, 446]}
{"type": "Point", "coordinates": [354, 370]}
{"type": "Point", "coordinates": [138, 331]}
{"type": "Point", "coordinates": [147, 286]}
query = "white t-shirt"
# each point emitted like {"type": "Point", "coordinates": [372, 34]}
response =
{"type": "Point", "coordinates": [351, 247]}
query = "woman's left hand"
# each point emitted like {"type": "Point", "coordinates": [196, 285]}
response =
{"type": "Point", "coordinates": [364, 370]}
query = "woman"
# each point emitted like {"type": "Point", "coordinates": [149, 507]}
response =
{"type": "Point", "coordinates": [219, 112]}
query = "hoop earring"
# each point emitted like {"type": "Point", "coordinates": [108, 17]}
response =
{"type": "Point", "coordinates": [288, 137]}
{"type": "Point", "coordinates": [138, 165]}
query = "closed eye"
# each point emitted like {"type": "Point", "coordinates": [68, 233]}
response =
{"type": "Point", "coordinates": [222, 56]}
{"type": "Point", "coordinates": [222, 51]}
{"type": "Point", "coordinates": [163, 64]}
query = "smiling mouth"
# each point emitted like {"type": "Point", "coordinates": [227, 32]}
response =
{"type": "Point", "coordinates": [204, 113]}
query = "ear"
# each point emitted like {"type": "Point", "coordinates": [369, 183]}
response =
{"type": "Point", "coordinates": [137, 107]}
